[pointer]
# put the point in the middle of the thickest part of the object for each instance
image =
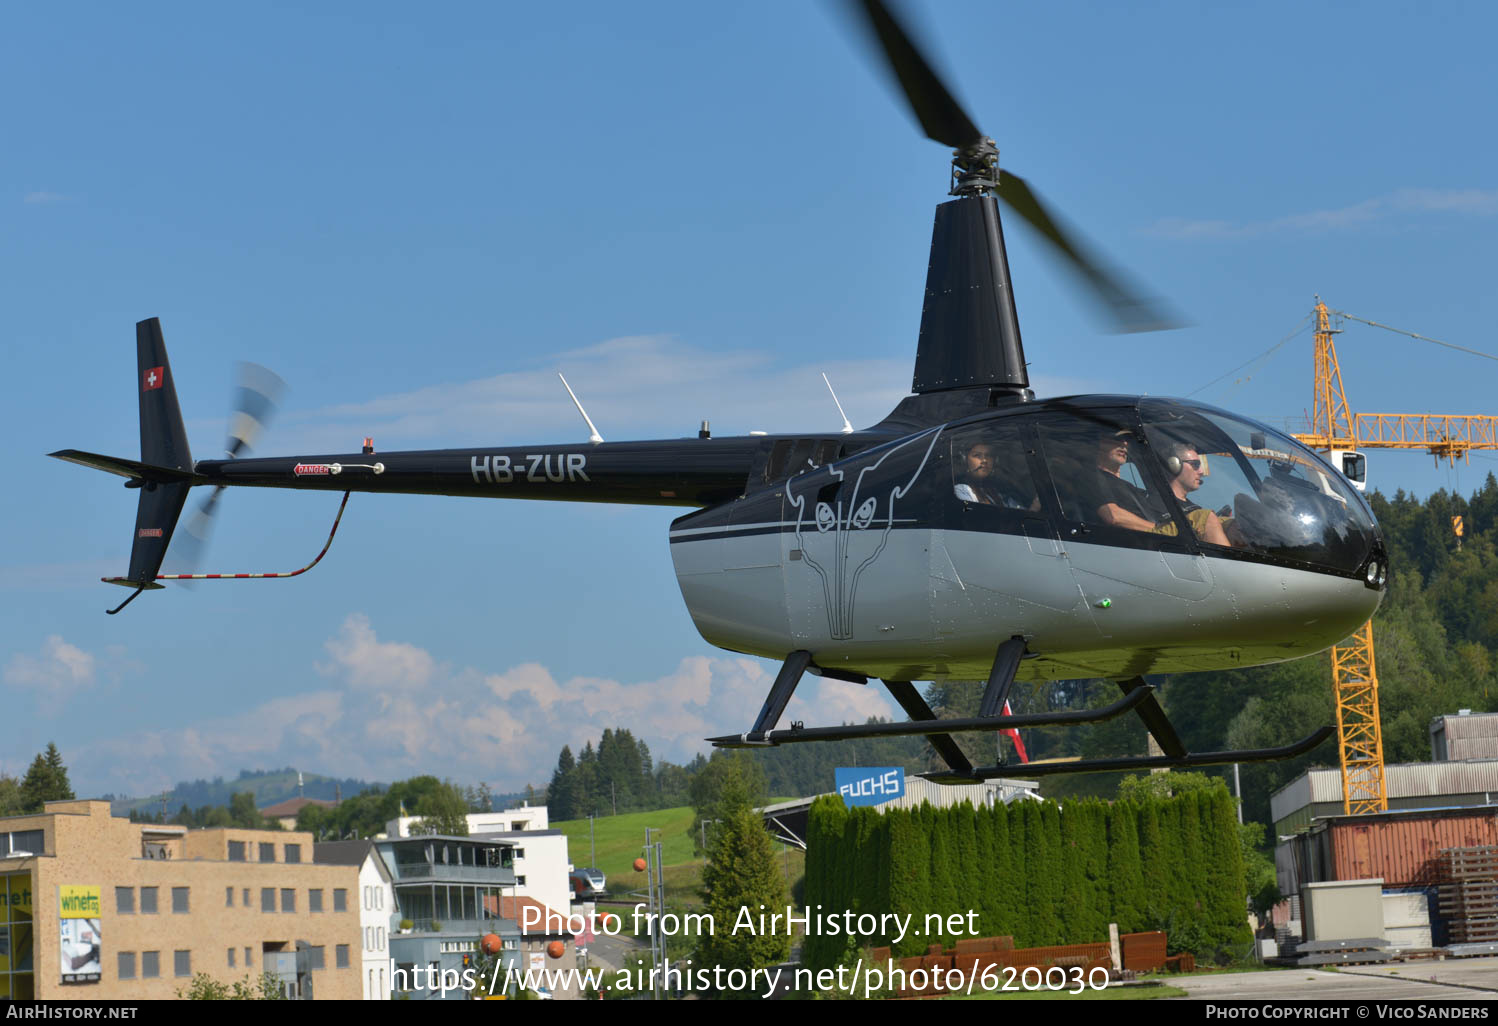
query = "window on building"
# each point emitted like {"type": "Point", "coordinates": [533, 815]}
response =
{"type": "Point", "coordinates": [340, 955]}
{"type": "Point", "coordinates": [340, 899]}
{"type": "Point", "coordinates": [231, 958]}
{"type": "Point", "coordinates": [150, 964]}
{"type": "Point", "coordinates": [267, 899]}
{"type": "Point", "coordinates": [126, 963]}
{"type": "Point", "coordinates": [182, 963]}
{"type": "Point", "coordinates": [520, 881]}
{"type": "Point", "coordinates": [179, 900]}
{"type": "Point", "coordinates": [293, 853]}
{"type": "Point", "coordinates": [520, 853]}
{"type": "Point", "coordinates": [124, 901]}
{"type": "Point", "coordinates": [267, 852]}
{"type": "Point", "coordinates": [245, 898]}
{"type": "Point", "coordinates": [314, 900]}
{"type": "Point", "coordinates": [315, 958]}
{"type": "Point", "coordinates": [247, 962]}
{"type": "Point", "coordinates": [236, 851]}
{"type": "Point", "coordinates": [148, 901]}
{"type": "Point", "coordinates": [228, 897]}
{"type": "Point", "coordinates": [379, 938]}
{"type": "Point", "coordinates": [32, 841]}
{"type": "Point", "coordinates": [288, 899]}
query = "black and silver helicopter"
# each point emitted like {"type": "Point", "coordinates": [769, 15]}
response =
{"type": "Point", "coordinates": [975, 532]}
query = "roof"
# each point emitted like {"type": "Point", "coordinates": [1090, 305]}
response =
{"type": "Point", "coordinates": [349, 853]}
{"type": "Point", "coordinates": [291, 806]}
{"type": "Point", "coordinates": [533, 918]}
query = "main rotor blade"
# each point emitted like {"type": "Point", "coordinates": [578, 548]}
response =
{"type": "Point", "coordinates": [1129, 311]}
{"type": "Point", "coordinates": [941, 117]}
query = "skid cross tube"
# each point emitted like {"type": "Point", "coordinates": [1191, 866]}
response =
{"type": "Point", "coordinates": [916, 708]}
{"type": "Point", "coordinates": [1043, 769]}
{"type": "Point", "coordinates": [931, 727]}
{"type": "Point", "coordinates": [1001, 677]}
{"type": "Point", "coordinates": [780, 693]}
{"type": "Point", "coordinates": [1155, 720]}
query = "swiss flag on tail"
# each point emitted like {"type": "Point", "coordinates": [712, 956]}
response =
{"type": "Point", "coordinates": [1013, 735]}
{"type": "Point", "coordinates": [155, 377]}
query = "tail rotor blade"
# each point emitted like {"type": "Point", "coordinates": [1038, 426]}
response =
{"type": "Point", "coordinates": [192, 540]}
{"type": "Point", "coordinates": [257, 393]}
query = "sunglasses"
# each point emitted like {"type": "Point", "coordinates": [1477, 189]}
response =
{"type": "Point", "coordinates": [1195, 464]}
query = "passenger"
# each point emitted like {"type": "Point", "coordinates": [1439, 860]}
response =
{"type": "Point", "coordinates": [980, 482]}
{"type": "Point", "coordinates": [975, 481]}
{"type": "Point", "coordinates": [1186, 469]}
{"type": "Point", "coordinates": [1116, 501]}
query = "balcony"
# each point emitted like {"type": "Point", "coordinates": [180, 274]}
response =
{"type": "Point", "coordinates": [429, 872]}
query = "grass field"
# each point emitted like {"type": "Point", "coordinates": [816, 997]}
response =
{"type": "Point", "coordinates": [619, 840]}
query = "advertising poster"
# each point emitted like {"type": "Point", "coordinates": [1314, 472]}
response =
{"type": "Point", "coordinates": [78, 935]}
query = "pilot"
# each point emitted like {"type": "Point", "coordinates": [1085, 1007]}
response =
{"type": "Point", "coordinates": [1186, 468]}
{"type": "Point", "coordinates": [978, 480]}
{"type": "Point", "coordinates": [1116, 501]}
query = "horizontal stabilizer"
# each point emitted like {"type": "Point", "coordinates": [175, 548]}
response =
{"type": "Point", "coordinates": [123, 467]}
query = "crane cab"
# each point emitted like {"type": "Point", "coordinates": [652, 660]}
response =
{"type": "Point", "coordinates": [1352, 464]}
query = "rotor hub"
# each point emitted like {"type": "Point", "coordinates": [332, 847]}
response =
{"type": "Point", "coordinates": [975, 169]}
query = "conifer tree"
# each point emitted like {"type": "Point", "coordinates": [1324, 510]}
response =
{"type": "Point", "coordinates": [46, 780]}
{"type": "Point", "coordinates": [740, 875]}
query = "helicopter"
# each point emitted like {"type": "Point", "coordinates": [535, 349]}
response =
{"type": "Point", "coordinates": [975, 532]}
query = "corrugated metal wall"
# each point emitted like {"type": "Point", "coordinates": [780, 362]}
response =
{"type": "Point", "coordinates": [1402, 850]}
{"type": "Point", "coordinates": [1458, 782]}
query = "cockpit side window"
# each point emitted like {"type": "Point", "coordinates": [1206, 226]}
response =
{"type": "Point", "coordinates": [990, 467]}
{"type": "Point", "coordinates": [1270, 495]}
{"type": "Point", "coordinates": [1094, 463]}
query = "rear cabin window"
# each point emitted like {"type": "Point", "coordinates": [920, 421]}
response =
{"type": "Point", "coordinates": [991, 467]}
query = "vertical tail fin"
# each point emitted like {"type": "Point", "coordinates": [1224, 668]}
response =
{"type": "Point", "coordinates": [163, 441]}
{"type": "Point", "coordinates": [166, 461]}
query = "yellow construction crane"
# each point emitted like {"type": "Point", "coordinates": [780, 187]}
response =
{"type": "Point", "coordinates": [1343, 434]}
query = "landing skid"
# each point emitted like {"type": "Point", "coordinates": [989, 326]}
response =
{"type": "Point", "coordinates": [1137, 695]}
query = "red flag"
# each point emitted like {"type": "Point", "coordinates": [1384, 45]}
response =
{"type": "Point", "coordinates": [153, 378]}
{"type": "Point", "coordinates": [1013, 734]}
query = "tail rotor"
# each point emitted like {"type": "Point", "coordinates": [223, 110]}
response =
{"type": "Point", "coordinates": [256, 397]}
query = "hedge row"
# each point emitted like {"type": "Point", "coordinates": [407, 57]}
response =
{"type": "Point", "coordinates": [1044, 873]}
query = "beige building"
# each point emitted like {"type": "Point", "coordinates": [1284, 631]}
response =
{"type": "Point", "coordinates": [99, 908]}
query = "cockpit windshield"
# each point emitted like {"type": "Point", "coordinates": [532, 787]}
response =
{"type": "Point", "coordinates": [1269, 494]}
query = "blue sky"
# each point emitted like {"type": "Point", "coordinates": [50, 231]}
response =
{"type": "Point", "coordinates": [418, 216]}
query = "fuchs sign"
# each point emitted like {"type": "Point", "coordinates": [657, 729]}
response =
{"type": "Point", "coordinates": [870, 785]}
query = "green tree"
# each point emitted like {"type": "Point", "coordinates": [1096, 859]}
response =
{"type": "Point", "coordinates": [243, 813]}
{"type": "Point", "coordinates": [46, 781]}
{"type": "Point", "coordinates": [741, 875]}
{"type": "Point", "coordinates": [442, 810]}
{"type": "Point", "coordinates": [728, 779]}
{"type": "Point", "coordinates": [12, 803]}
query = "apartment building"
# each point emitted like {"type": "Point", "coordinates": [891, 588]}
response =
{"type": "Point", "coordinates": [377, 909]}
{"type": "Point", "coordinates": [99, 908]}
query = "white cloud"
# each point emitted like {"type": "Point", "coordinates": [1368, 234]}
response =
{"type": "Point", "coordinates": [57, 672]}
{"type": "Point", "coordinates": [393, 710]}
{"type": "Point", "coordinates": [1475, 202]}
{"type": "Point", "coordinates": [43, 198]}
